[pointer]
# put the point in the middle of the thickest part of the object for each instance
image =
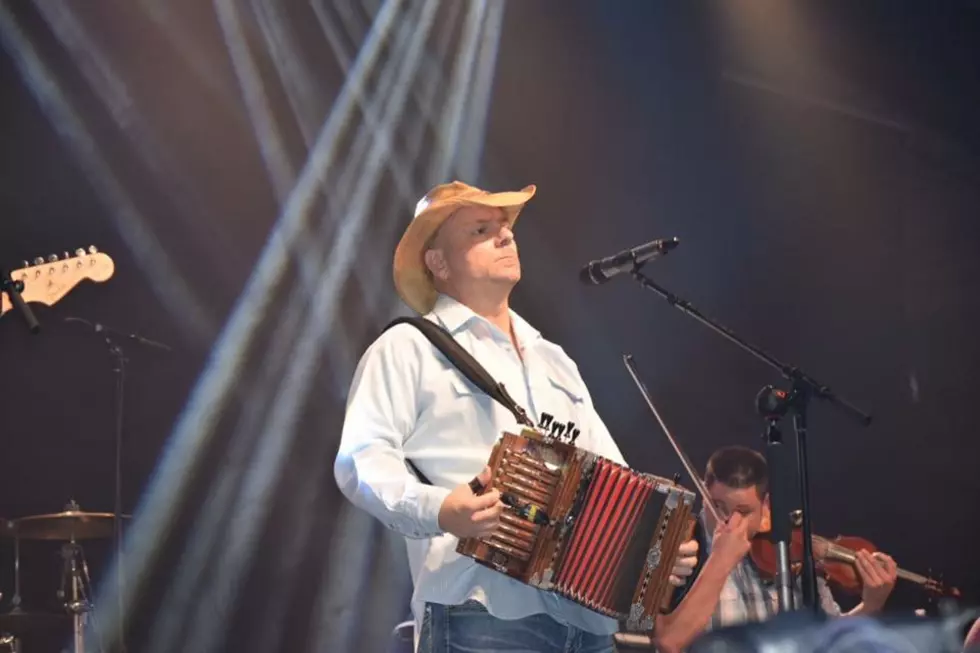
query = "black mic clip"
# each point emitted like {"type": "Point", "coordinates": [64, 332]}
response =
{"type": "Point", "coordinates": [773, 403]}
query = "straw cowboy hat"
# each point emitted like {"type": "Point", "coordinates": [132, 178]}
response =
{"type": "Point", "coordinates": [412, 279]}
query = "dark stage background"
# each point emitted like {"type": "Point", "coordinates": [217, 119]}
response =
{"type": "Point", "coordinates": [818, 161]}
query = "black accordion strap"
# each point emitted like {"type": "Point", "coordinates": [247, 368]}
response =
{"type": "Point", "coordinates": [465, 363]}
{"type": "Point", "coordinates": [469, 366]}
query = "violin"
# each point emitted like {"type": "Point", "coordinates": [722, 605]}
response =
{"type": "Point", "coordinates": [834, 559]}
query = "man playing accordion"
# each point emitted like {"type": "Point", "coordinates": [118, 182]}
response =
{"type": "Point", "coordinates": [456, 265]}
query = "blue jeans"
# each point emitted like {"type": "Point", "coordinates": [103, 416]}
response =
{"type": "Point", "coordinates": [469, 628]}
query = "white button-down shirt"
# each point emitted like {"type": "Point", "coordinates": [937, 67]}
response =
{"type": "Point", "coordinates": [407, 401]}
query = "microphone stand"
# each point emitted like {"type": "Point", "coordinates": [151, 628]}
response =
{"type": "Point", "coordinates": [112, 337]}
{"type": "Point", "coordinates": [795, 401]}
{"type": "Point", "coordinates": [781, 530]}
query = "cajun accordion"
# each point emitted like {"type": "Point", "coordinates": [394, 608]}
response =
{"type": "Point", "coordinates": [584, 527]}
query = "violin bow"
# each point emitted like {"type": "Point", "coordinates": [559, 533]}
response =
{"type": "Point", "coordinates": [685, 461]}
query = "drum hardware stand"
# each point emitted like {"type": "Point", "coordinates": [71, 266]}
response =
{"type": "Point", "coordinates": [76, 601]}
{"type": "Point", "coordinates": [112, 337]}
{"type": "Point", "coordinates": [6, 639]}
{"type": "Point", "coordinates": [778, 403]}
{"type": "Point", "coordinates": [11, 642]}
{"type": "Point", "coordinates": [15, 600]}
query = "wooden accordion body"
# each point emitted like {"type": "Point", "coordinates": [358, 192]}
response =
{"type": "Point", "coordinates": [611, 537]}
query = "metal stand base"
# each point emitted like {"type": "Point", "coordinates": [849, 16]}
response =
{"type": "Point", "coordinates": [75, 578]}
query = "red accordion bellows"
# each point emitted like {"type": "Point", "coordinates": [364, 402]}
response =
{"type": "Point", "coordinates": [606, 527]}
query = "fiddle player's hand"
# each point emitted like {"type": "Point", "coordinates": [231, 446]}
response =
{"type": "Point", "coordinates": [687, 560]}
{"type": "Point", "coordinates": [464, 514]}
{"type": "Point", "coordinates": [878, 574]}
{"type": "Point", "coordinates": [731, 540]}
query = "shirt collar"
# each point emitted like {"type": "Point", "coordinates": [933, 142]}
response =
{"type": "Point", "coordinates": [456, 316]}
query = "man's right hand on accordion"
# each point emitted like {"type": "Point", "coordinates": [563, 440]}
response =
{"type": "Point", "coordinates": [464, 513]}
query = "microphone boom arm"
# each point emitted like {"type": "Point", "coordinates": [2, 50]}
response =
{"type": "Point", "coordinates": [790, 372]}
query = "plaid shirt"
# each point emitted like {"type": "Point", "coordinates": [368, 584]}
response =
{"type": "Point", "coordinates": [746, 597]}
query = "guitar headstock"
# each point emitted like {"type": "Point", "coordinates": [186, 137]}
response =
{"type": "Point", "coordinates": [47, 281]}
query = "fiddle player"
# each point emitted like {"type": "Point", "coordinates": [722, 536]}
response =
{"type": "Point", "coordinates": [737, 479]}
{"type": "Point", "coordinates": [456, 264]}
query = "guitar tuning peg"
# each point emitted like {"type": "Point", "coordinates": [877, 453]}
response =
{"type": "Point", "coordinates": [38, 260]}
{"type": "Point", "coordinates": [25, 264]}
{"type": "Point", "coordinates": [52, 258]}
{"type": "Point", "coordinates": [92, 249]}
{"type": "Point", "coordinates": [79, 252]}
{"type": "Point", "coordinates": [67, 256]}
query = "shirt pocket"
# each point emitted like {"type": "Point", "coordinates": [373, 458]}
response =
{"type": "Point", "coordinates": [570, 389]}
{"type": "Point", "coordinates": [564, 401]}
{"type": "Point", "coordinates": [466, 406]}
{"type": "Point", "coordinates": [461, 386]}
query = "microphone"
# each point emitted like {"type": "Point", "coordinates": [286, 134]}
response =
{"type": "Point", "coordinates": [627, 260]}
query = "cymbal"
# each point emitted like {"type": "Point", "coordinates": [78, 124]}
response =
{"type": "Point", "coordinates": [18, 621]}
{"type": "Point", "coordinates": [65, 526]}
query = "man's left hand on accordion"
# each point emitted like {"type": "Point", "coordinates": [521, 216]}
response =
{"type": "Point", "coordinates": [687, 560]}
